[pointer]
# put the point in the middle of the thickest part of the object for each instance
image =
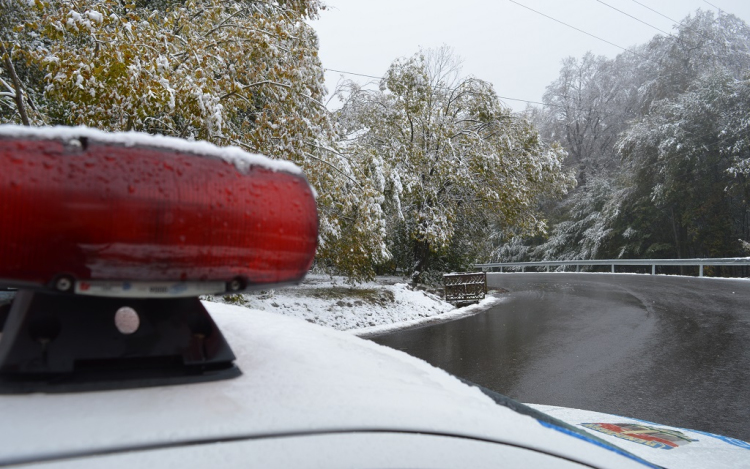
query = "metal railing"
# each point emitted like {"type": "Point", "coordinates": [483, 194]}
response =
{"type": "Point", "coordinates": [465, 286]}
{"type": "Point", "coordinates": [725, 261]}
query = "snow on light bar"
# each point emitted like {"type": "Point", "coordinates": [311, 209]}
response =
{"type": "Point", "coordinates": [130, 214]}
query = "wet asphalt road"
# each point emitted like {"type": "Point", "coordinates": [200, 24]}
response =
{"type": "Point", "coordinates": [672, 350]}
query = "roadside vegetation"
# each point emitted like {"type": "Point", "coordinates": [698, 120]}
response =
{"type": "Point", "coordinates": [384, 304]}
{"type": "Point", "coordinates": [644, 155]}
{"type": "Point", "coordinates": [659, 142]}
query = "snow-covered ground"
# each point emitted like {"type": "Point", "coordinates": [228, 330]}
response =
{"type": "Point", "coordinates": [370, 308]}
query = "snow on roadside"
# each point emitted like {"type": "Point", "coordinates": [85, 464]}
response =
{"type": "Point", "coordinates": [455, 313]}
{"type": "Point", "coordinates": [370, 308]}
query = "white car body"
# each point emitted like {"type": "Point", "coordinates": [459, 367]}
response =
{"type": "Point", "coordinates": [704, 450]}
{"type": "Point", "coordinates": [314, 397]}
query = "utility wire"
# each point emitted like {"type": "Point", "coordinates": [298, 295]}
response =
{"type": "Point", "coordinates": [501, 97]}
{"type": "Point", "coordinates": [569, 26]}
{"type": "Point", "coordinates": [577, 29]}
{"type": "Point", "coordinates": [624, 49]}
{"type": "Point", "coordinates": [352, 73]}
{"type": "Point", "coordinates": [679, 23]}
{"type": "Point", "coordinates": [608, 42]}
{"type": "Point", "coordinates": [631, 16]}
{"type": "Point", "coordinates": [527, 101]}
{"type": "Point", "coordinates": [660, 14]}
{"type": "Point", "coordinates": [720, 10]}
{"type": "Point", "coordinates": [564, 24]}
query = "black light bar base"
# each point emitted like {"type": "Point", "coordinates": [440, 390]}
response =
{"type": "Point", "coordinates": [67, 343]}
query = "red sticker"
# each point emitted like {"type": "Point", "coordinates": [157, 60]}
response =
{"type": "Point", "coordinates": [649, 436]}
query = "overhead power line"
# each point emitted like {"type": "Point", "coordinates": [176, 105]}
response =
{"type": "Point", "coordinates": [681, 24]}
{"type": "Point", "coordinates": [569, 26]}
{"type": "Point", "coordinates": [380, 78]}
{"type": "Point", "coordinates": [527, 101]}
{"type": "Point", "coordinates": [720, 10]}
{"type": "Point", "coordinates": [577, 29]}
{"type": "Point", "coordinates": [352, 73]}
{"type": "Point", "coordinates": [633, 17]}
{"type": "Point", "coordinates": [660, 14]}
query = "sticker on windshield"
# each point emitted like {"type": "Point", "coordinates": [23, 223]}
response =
{"type": "Point", "coordinates": [653, 437]}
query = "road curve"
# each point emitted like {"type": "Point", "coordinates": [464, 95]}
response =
{"type": "Point", "coordinates": [674, 350]}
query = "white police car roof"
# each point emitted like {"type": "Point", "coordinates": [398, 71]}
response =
{"type": "Point", "coordinates": [308, 397]}
{"type": "Point", "coordinates": [298, 379]}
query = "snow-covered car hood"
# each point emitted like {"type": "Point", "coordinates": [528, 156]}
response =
{"type": "Point", "coordinates": [297, 379]}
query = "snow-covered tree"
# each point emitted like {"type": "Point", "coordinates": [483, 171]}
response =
{"type": "Point", "coordinates": [688, 159]}
{"type": "Point", "coordinates": [659, 140]}
{"type": "Point", "coordinates": [239, 72]}
{"type": "Point", "coordinates": [451, 161]}
{"type": "Point", "coordinates": [242, 73]}
{"type": "Point", "coordinates": [584, 110]}
{"type": "Point", "coordinates": [20, 79]}
{"type": "Point", "coordinates": [588, 229]}
{"type": "Point", "coordinates": [703, 43]}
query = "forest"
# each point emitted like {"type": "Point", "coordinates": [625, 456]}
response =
{"type": "Point", "coordinates": [658, 141]}
{"type": "Point", "coordinates": [643, 155]}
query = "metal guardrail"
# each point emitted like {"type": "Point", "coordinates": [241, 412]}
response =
{"type": "Point", "coordinates": [729, 261]}
{"type": "Point", "coordinates": [465, 286]}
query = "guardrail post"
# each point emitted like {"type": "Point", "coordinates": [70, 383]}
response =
{"type": "Point", "coordinates": [501, 270]}
{"type": "Point", "coordinates": [653, 269]}
{"type": "Point", "coordinates": [613, 268]}
{"type": "Point", "coordinates": [701, 271]}
{"type": "Point", "coordinates": [548, 269]}
{"type": "Point", "coordinates": [578, 268]}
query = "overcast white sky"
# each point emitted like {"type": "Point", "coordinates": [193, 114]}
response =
{"type": "Point", "coordinates": [517, 50]}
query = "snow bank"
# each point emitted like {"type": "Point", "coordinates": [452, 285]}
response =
{"type": "Point", "coordinates": [370, 308]}
{"type": "Point", "coordinates": [455, 313]}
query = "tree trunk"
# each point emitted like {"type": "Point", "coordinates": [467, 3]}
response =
{"type": "Point", "coordinates": [16, 85]}
{"type": "Point", "coordinates": [422, 259]}
{"type": "Point", "coordinates": [680, 237]}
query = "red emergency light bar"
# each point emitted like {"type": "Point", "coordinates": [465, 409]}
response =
{"type": "Point", "coordinates": [135, 215]}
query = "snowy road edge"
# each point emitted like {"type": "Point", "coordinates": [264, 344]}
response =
{"type": "Point", "coordinates": [458, 313]}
